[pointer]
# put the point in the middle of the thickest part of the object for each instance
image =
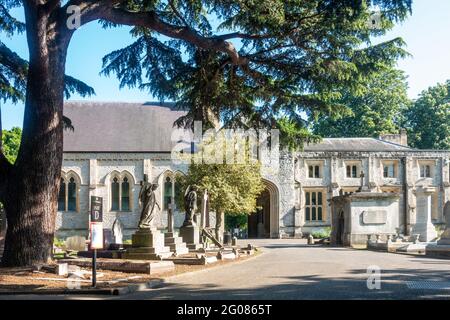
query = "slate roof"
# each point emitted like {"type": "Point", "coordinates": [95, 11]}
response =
{"type": "Point", "coordinates": [119, 126]}
{"type": "Point", "coordinates": [355, 144]}
{"type": "Point", "coordinates": [147, 127]}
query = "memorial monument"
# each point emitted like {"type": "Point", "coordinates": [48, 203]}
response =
{"type": "Point", "coordinates": [190, 232]}
{"type": "Point", "coordinates": [171, 238]}
{"type": "Point", "coordinates": [148, 241]}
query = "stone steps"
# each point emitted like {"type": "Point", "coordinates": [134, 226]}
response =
{"type": "Point", "coordinates": [175, 243]}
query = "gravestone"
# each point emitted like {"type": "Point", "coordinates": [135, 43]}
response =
{"type": "Point", "coordinates": [117, 230]}
{"type": "Point", "coordinates": [423, 225]}
{"type": "Point", "coordinates": [108, 238]}
{"type": "Point", "coordinates": [76, 243]}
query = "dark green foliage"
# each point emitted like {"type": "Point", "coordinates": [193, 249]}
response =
{"type": "Point", "coordinates": [11, 143]}
{"type": "Point", "coordinates": [378, 109]}
{"type": "Point", "coordinates": [428, 119]}
{"type": "Point", "coordinates": [236, 221]}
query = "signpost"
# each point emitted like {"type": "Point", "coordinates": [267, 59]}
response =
{"type": "Point", "coordinates": [96, 230]}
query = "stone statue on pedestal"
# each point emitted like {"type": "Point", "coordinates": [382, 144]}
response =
{"type": "Point", "coordinates": [189, 231]}
{"type": "Point", "coordinates": [147, 241]}
{"type": "Point", "coordinates": [190, 204]}
{"type": "Point", "coordinates": [147, 201]}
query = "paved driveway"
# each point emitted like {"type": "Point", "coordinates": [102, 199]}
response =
{"type": "Point", "coordinates": [289, 269]}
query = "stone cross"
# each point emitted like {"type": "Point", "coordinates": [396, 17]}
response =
{"type": "Point", "coordinates": [170, 217]}
{"type": "Point", "coordinates": [204, 210]}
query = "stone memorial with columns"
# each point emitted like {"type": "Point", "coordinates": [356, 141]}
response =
{"type": "Point", "coordinates": [423, 225]}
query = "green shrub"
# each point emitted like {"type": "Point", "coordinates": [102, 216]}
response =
{"type": "Point", "coordinates": [322, 234]}
{"type": "Point", "coordinates": [58, 243]}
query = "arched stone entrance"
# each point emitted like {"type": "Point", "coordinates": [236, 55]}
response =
{"type": "Point", "coordinates": [265, 222]}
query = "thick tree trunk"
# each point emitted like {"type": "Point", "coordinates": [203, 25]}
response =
{"type": "Point", "coordinates": [33, 183]}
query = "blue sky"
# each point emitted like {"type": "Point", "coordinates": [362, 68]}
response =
{"type": "Point", "coordinates": [426, 33]}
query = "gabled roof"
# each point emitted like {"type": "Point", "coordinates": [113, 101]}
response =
{"type": "Point", "coordinates": [355, 144]}
{"type": "Point", "coordinates": [119, 126]}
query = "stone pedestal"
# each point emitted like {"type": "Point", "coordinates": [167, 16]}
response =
{"type": "Point", "coordinates": [191, 236]}
{"type": "Point", "coordinates": [147, 244]}
{"type": "Point", "coordinates": [175, 243]}
{"type": "Point", "coordinates": [423, 226]}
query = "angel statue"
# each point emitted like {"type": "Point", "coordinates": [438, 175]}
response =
{"type": "Point", "coordinates": [147, 200]}
{"type": "Point", "coordinates": [190, 204]}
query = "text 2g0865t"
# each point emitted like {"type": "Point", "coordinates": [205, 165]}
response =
{"type": "Point", "coordinates": [246, 309]}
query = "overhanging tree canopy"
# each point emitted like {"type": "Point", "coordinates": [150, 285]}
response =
{"type": "Point", "coordinates": [266, 61]}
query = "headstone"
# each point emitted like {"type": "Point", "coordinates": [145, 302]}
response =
{"type": "Point", "coordinates": [423, 225]}
{"type": "Point", "coordinates": [226, 238]}
{"type": "Point", "coordinates": [76, 243]}
{"type": "Point", "coordinates": [108, 238]}
{"type": "Point", "coordinates": [117, 230]}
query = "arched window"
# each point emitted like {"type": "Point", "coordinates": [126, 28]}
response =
{"type": "Point", "coordinates": [171, 188]}
{"type": "Point", "coordinates": [62, 196]}
{"type": "Point", "coordinates": [68, 193]}
{"type": "Point", "coordinates": [72, 195]}
{"type": "Point", "coordinates": [121, 196]}
{"type": "Point", "coordinates": [115, 187]}
{"type": "Point", "coordinates": [125, 194]}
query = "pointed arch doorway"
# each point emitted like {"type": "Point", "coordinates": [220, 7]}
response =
{"type": "Point", "coordinates": [264, 223]}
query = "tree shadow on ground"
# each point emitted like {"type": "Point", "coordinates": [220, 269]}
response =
{"type": "Point", "coordinates": [394, 285]}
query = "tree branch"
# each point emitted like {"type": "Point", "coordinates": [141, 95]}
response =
{"type": "Point", "coordinates": [151, 20]}
{"type": "Point", "coordinates": [241, 35]}
{"type": "Point", "coordinates": [177, 13]}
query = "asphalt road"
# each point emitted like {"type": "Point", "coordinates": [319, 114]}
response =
{"type": "Point", "coordinates": [289, 269]}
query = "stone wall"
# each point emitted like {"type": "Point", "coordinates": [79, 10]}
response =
{"type": "Point", "coordinates": [94, 170]}
{"type": "Point", "coordinates": [333, 179]}
{"type": "Point", "coordinates": [287, 181]}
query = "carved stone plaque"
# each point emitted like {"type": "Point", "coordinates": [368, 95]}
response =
{"type": "Point", "coordinates": [374, 216]}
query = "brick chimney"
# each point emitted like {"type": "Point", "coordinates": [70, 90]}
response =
{"type": "Point", "coordinates": [398, 138]}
